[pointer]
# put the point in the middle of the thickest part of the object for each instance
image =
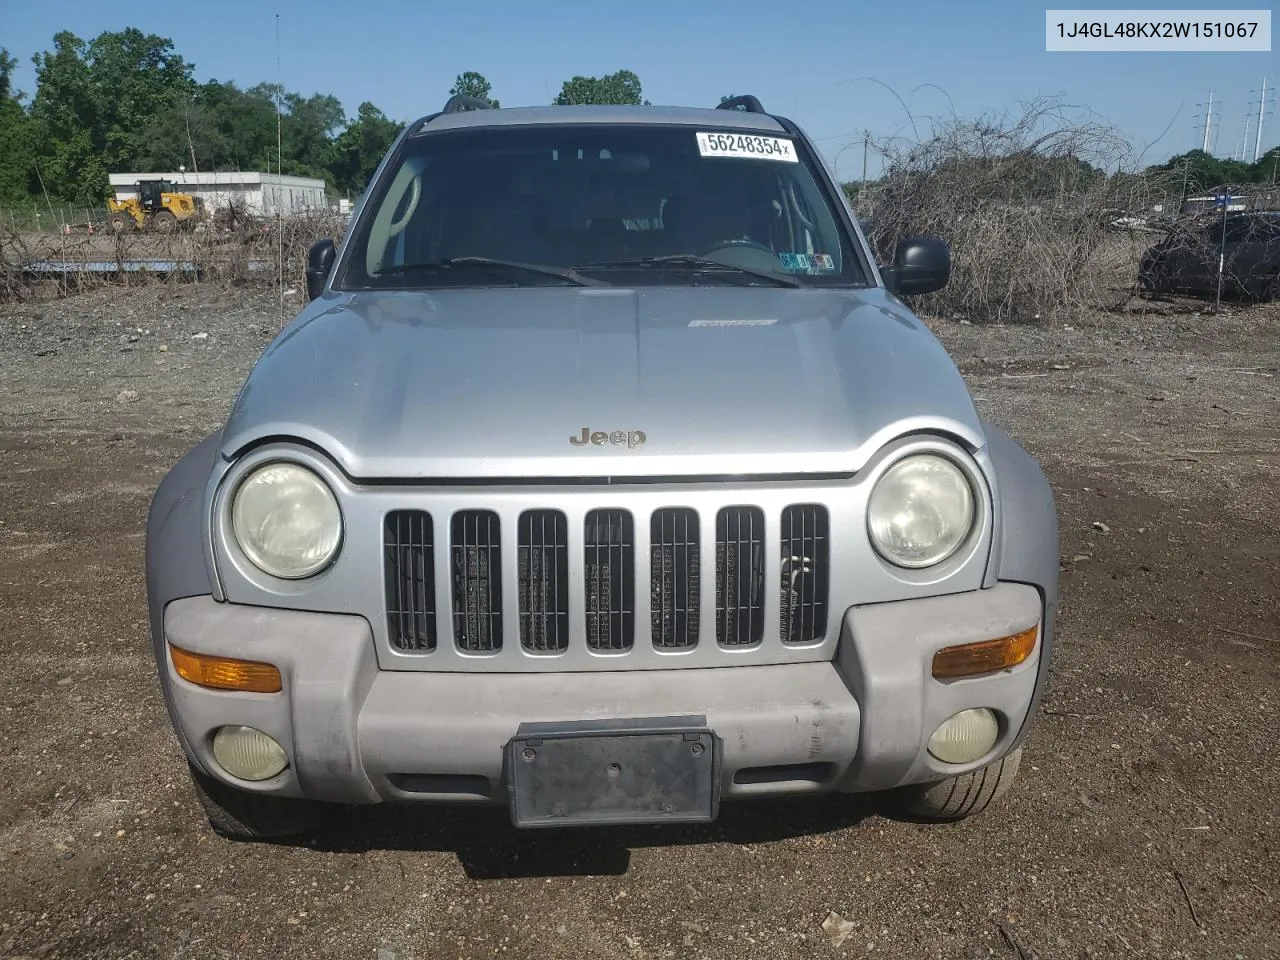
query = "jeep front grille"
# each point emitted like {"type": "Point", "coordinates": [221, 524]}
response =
{"type": "Point", "coordinates": [477, 581]}
{"type": "Point", "coordinates": [610, 580]}
{"type": "Point", "coordinates": [739, 576]}
{"type": "Point", "coordinates": [804, 570]}
{"type": "Point", "coordinates": [542, 579]}
{"type": "Point", "coordinates": [675, 586]}
{"type": "Point", "coordinates": [409, 560]}
{"type": "Point", "coordinates": [577, 582]}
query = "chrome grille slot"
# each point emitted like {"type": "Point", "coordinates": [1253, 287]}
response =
{"type": "Point", "coordinates": [476, 556]}
{"type": "Point", "coordinates": [609, 575]}
{"type": "Point", "coordinates": [409, 580]}
{"type": "Point", "coordinates": [739, 576]}
{"type": "Point", "coordinates": [675, 581]}
{"type": "Point", "coordinates": [805, 573]}
{"type": "Point", "coordinates": [542, 575]}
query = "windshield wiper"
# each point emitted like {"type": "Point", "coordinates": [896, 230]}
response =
{"type": "Point", "coordinates": [690, 262]}
{"type": "Point", "coordinates": [499, 267]}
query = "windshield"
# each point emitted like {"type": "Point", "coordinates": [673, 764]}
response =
{"type": "Point", "coordinates": [599, 203]}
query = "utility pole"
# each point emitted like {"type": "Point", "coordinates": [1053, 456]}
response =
{"type": "Point", "coordinates": [195, 167]}
{"type": "Point", "coordinates": [1262, 106]}
{"type": "Point", "coordinates": [862, 189]}
{"type": "Point", "coordinates": [1208, 121]}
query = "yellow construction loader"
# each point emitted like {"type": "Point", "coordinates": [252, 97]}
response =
{"type": "Point", "coordinates": [157, 206]}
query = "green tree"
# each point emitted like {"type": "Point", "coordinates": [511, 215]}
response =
{"type": "Point", "coordinates": [7, 63]}
{"type": "Point", "coordinates": [622, 87]}
{"type": "Point", "coordinates": [1267, 169]}
{"type": "Point", "coordinates": [1199, 170]}
{"type": "Point", "coordinates": [360, 148]}
{"type": "Point", "coordinates": [248, 117]}
{"type": "Point", "coordinates": [472, 84]}
{"type": "Point", "coordinates": [308, 129]}
{"type": "Point", "coordinates": [19, 140]}
{"type": "Point", "coordinates": [96, 99]}
{"type": "Point", "coordinates": [185, 134]}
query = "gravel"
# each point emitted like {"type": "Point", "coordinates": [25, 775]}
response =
{"type": "Point", "coordinates": [1143, 823]}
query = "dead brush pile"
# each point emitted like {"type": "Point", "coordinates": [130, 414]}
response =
{"type": "Point", "coordinates": [1033, 219]}
{"type": "Point", "coordinates": [233, 249]}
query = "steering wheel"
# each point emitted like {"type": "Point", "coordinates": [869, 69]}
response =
{"type": "Point", "coordinates": [415, 188]}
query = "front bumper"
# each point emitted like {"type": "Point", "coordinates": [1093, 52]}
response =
{"type": "Point", "coordinates": [357, 734]}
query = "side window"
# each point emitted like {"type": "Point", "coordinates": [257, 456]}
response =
{"type": "Point", "coordinates": [814, 230]}
{"type": "Point", "coordinates": [386, 243]}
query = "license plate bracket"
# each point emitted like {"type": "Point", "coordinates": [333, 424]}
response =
{"type": "Point", "coordinates": [612, 772]}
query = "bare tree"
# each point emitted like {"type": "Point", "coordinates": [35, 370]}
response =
{"type": "Point", "coordinates": [1029, 201]}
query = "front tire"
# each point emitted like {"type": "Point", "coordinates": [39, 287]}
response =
{"type": "Point", "coordinates": [162, 221]}
{"type": "Point", "coordinates": [240, 815]}
{"type": "Point", "coordinates": [957, 798]}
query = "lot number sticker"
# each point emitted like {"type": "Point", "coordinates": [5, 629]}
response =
{"type": "Point", "coordinates": [746, 145]}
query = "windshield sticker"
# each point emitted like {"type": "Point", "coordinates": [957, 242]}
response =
{"type": "Point", "coordinates": [807, 262]}
{"type": "Point", "coordinates": [746, 145]}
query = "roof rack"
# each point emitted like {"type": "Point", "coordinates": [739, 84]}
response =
{"type": "Point", "coordinates": [461, 101]}
{"type": "Point", "coordinates": [746, 102]}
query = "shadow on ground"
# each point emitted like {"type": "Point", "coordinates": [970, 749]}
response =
{"type": "Point", "coordinates": [489, 848]}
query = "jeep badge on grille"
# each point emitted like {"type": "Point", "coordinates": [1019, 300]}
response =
{"type": "Point", "coordinates": [632, 438]}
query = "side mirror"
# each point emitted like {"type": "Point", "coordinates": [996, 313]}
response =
{"type": "Point", "coordinates": [319, 263]}
{"type": "Point", "coordinates": [920, 265]}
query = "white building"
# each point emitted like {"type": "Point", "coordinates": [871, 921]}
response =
{"type": "Point", "coordinates": [259, 193]}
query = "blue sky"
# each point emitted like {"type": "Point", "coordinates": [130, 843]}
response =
{"type": "Point", "coordinates": [807, 60]}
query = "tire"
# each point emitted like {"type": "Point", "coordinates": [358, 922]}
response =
{"type": "Point", "coordinates": [162, 221]}
{"type": "Point", "coordinates": [119, 222]}
{"type": "Point", "coordinates": [957, 798]}
{"type": "Point", "coordinates": [239, 815]}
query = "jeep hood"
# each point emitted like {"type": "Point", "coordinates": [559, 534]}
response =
{"type": "Point", "coordinates": [493, 383]}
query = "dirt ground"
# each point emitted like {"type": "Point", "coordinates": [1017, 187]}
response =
{"type": "Point", "coordinates": [1144, 823]}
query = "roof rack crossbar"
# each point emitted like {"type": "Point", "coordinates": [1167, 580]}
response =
{"type": "Point", "coordinates": [746, 102]}
{"type": "Point", "coordinates": [461, 101]}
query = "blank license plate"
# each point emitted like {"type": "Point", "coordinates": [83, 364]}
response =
{"type": "Point", "coordinates": [665, 770]}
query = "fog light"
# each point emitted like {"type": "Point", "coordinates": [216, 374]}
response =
{"type": "Point", "coordinates": [965, 737]}
{"type": "Point", "coordinates": [248, 754]}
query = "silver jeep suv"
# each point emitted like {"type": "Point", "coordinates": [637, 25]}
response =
{"type": "Point", "coordinates": [605, 476]}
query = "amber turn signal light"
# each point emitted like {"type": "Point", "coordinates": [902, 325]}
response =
{"type": "Point", "coordinates": [986, 656]}
{"type": "Point", "coordinates": [225, 673]}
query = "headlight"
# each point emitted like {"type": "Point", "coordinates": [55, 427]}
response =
{"type": "Point", "coordinates": [286, 520]}
{"type": "Point", "coordinates": [920, 511]}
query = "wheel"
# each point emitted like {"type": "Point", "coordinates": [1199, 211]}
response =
{"type": "Point", "coordinates": [959, 797]}
{"type": "Point", "coordinates": [239, 815]}
{"type": "Point", "coordinates": [119, 222]}
{"type": "Point", "coordinates": [162, 221]}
